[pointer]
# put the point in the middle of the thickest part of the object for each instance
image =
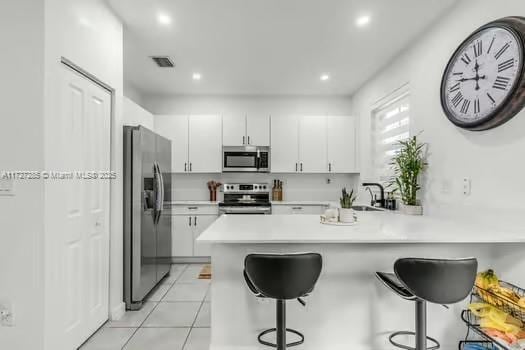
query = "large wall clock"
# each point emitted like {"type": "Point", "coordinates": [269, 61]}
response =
{"type": "Point", "coordinates": [484, 82]}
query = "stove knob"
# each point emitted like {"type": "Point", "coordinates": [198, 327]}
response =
{"type": "Point", "coordinates": [255, 187]}
{"type": "Point", "coordinates": [264, 187]}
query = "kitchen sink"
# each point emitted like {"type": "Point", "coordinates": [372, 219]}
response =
{"type": "Point", "coordinates": [365, 208]}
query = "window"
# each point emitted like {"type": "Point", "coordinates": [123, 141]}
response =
{"type": "Point", "coordinates": [390, 124]}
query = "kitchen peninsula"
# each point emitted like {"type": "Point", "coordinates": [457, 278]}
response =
{"type": "Point", "coordinates": [348, 308]}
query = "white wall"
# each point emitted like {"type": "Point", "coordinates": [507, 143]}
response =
{"type": "Point", "coordinates": [35, 34]}
{"type": "Point", "coordinates": [133, 114]}
{"type": "Point", "coordinates": [21, 141]}
{"type": "Point", "coordinates": [278, 105]}
{"type": "Point", "coordinates": [493, 159]}
{"type": "Point", "coordinates": [131, 92]}
{"type": "Point", "coordinates": [87, 33]}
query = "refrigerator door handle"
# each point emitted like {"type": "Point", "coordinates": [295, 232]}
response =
{"type": "Point", "coordinates": [161, 206]}
{"type": "Point", "coordinates": [158, 190]}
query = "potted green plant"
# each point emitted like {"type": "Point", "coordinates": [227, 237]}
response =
{"type": "Point", "coordinates": [408, 164]}
{"type": "Point", "coordinates": [346, 213]}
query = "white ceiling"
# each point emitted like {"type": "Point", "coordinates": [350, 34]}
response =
{"type": "Point", "coordinates": [267, 47]}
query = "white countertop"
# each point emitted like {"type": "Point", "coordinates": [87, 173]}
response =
{"type": "Point", "coordinates": [326, 203]}
{"type": "Point", "coordinates": [372, 227]}
{"type": "Point", "coordinates": [193, 203]}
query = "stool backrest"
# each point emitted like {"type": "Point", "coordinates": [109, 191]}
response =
{"type": "Point", "coordinates": [283, 276]}
{"type": "Point", "coordinates": [440, 281]}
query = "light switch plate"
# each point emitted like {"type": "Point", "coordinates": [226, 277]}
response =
{"type": "Point", "coordinates": [7, 187]}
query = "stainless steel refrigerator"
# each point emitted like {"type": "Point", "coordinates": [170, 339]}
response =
{"type": "Point", "coordinates": [147, 228]}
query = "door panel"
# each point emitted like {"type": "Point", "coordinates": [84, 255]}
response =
{"type": "Point", "coordinates": [341, 144]}
{"type": "Point", "coordinates": [285, 143]}
{"type": "Point", "coordinates": [258, 130]}
{"type": "Point", "coordinates": [201, 223]}
{"type": "Point", "coordinates": [312, 145]}
{"type": "Point", "coordinates": [205, 143]}
{"type": "Point", "coordinates": [175, 129]}
{"type": "Point", "coordinates": [77, 214]}
{"type": "Point", "coordinates": [182, 235]}
{"type": "Point", "coordinates": [164, 223]}
{"type": "Point", "coordinates": [233, 130]}
{"type": "Point", "coordinates": [144, 239]}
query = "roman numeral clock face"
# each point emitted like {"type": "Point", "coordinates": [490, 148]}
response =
{"type": "Point", "coordinates": [481, 76]}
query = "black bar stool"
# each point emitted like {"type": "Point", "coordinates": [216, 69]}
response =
{"type": "Point", "coordinates": [282, 277]}
{"type": "Point", "coordinates": [439, 281]}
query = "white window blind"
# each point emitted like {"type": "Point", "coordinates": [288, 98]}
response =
{"type": "Point", "coordinates": [391, 124]}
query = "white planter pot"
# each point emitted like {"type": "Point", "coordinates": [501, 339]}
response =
{"type": "Point", "coordinates": [346, 215]}
{"type": "Point", "coordinates": [411, 209]}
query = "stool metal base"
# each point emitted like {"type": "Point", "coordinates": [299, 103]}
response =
{"type": "Point", "coordinates": [273, 345]}
{"type": "Point", "coordinates": [406, 347]}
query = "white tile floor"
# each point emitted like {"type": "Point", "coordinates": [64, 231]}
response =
{"type": "Point", "coordinates": [176, 316]}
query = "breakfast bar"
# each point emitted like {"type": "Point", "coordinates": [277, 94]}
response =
{"type": "Point", "coordinates": [348, 307]}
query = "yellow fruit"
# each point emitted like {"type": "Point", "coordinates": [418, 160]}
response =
{"type": "Point", "coordinates": [521, 302]}
{"type": "Point", "coordinates": [487, 279]}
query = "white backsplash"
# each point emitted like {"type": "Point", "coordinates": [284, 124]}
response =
{"type": "Point", "coordinates": [296, 187]}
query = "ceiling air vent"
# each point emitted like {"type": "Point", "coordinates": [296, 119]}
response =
{"type": "Point", "coordinates": [163, 61]}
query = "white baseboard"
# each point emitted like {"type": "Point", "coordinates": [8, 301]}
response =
{"type": "Point", "coordinates": [117, 312]}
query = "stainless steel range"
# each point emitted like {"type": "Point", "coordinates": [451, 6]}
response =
{"type": "Point", "coordinates": [246, 199]}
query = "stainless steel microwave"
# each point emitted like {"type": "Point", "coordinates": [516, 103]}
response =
{"type": "Point", "coordinates": [253, 159]}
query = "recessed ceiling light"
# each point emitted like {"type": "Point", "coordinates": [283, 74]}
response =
{"type": "Point", "coordinates": [362, 21]}
{"type": "Point", "coordinates": [325, 77]}
{"type": "Point", "coordinates": [196, 76]}
{"type": "Point", "coordinates": [163, 18]}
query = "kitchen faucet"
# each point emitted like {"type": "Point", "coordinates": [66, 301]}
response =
{"type": "Point", "coordinates": [374, 201]}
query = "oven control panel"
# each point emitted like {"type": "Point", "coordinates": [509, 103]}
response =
{"type": "Point", "coordinates": [246, 188]}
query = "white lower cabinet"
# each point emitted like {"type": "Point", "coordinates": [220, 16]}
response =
{"type": "Point", "coordinates": [188, 222]}
{"type": "Point", "coordinates": [299, 209]}
{"type": "Point", "coordinates": [201, 223]}
{"type": "Point", "coordinates": [181, 235]}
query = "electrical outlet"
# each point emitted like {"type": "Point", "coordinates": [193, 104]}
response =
{"type": "Point", "coordinates": [466, 186]}
{"type": "Point", "coordinates": [7, 316]}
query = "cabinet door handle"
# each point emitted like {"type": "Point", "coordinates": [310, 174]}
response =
{"type": "Point", "coordinates": [185, 167]}
{"type": "Point", "coordinates": [190, 167]}
{"type": "Point", "coordinates": [301, 166]}
{"type": "Point", "coordinates": [295, 167]}
{"type": "Point", "coordinates": [194, 221]}
{"type": "Point", "coordinates": [330, 167]}
{"type": "Point", "coordinates": [248, 139]}
{"type": "Point", "coordinates": [189, 223]}
{"type": "Point", "coordinates": [297, 208]}
{"type": "Point", "coordinates": [244, 140]}
{"type": "Point", "coordinates": [193, 208]}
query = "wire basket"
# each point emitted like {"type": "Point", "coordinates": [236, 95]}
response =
{"type": "Point", "coordinates": [482, 344]}
{"type": "Point", "coordinates": [506, 301]}
{"type": "Point", "coordinates": [472, 322]}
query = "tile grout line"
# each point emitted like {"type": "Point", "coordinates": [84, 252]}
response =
{"type": "Point", "coordinates": [153, 309]}
{"type": "Point", "coordinates": [196, 316]}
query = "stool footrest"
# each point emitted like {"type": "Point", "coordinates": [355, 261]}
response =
{"type": "Point", "coordinates": [406, 347]}
{"type": "Point", "coordinates": [299, 342]}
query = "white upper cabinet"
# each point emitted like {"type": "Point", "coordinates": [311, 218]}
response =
{"type": "Point", "coordinates": [285, 144]}
{"type": "Point", "coordinates": [205, 151]}
{"type": "Point", "coordinates": [242, 130]}
{"type": "Point", "coordinates": [258, 130]}
{"type": "Point", "coordinates": [342, 152]}
{"type": "Point", "coordinates": [234, 130]}
{"type": "Point", "coordinates": [175, 128]}
{"type": "Point", "coordinates": [312, 145]}
{"type": "Point", "coordinates": [195, 142]}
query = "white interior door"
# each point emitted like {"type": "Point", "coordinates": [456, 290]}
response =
{"type": "Point", "coordinates": [77, 214]}
{"type": "Point", "coordinates": [175, 129]}
{"type": "Point", "coordinates": [233, 130]}
{"type": "Point", "coordinates": [205, 146]}
{"type": "Point", "coordinates": [312, 145]}
{"type": "Point", "coordinates": [341, 131]}
{"type": "Point", "coordinates": [258, 130]}
{"type": "Point", "coordinates": [285, 143]}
